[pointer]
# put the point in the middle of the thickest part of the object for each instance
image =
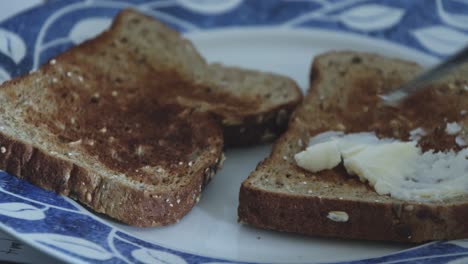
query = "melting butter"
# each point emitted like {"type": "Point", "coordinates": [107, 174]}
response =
{"type": "Point", "coordinates": [391, 167]}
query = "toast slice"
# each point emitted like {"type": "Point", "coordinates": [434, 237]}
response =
{"type": "Point", "coordinates": [130, 123]}
{"type": "Point", "coordinates": [253, 106]}
{"type": "Point", "coordinates": [281, 196]}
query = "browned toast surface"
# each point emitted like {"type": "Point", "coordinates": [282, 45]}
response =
{"type": "Point", "coordinates": [343, 97]}
{"type": "Point", "coordinates": [131, 122]}
{"type": "Point", "coordinates": [251, 104]}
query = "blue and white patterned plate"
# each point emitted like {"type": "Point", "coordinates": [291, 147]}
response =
{"type": "Point", "coordinates": [274, 35]}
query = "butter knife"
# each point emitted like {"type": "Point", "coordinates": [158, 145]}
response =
{"type": "Point", "coordinates": [394, 97]}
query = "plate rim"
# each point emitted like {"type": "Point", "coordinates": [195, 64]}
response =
{"type": "Point", "coordinates": [65, 257]}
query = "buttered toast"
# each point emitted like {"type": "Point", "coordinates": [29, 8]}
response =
{"type": "Point", "coordinates": [282, 196]}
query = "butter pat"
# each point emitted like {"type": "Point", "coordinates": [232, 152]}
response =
{"type": "Point", "coordinates": [382, 164]}
{"type": "Point", "coordinates": [321, 156]}
{"type": "Point", "coordinates": [391, 167]}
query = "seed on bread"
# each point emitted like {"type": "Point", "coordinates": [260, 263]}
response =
{"type": "Point", "coordinates": [338, 216]}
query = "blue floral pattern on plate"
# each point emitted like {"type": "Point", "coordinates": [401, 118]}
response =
{"type": "Point", "coordinates": [58, 224]}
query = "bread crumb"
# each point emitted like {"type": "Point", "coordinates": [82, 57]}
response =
{"type": "Point", "coordinates": [299, 143]}
{"type": "Point", "coordinates": [190, 163]}
{"type": "Point", "coordinates": [54, 80]}
{"type": "Point", "coordinates": [53, 62]}
{"type": "Point", "coordinates": [3, 149]}
{"type": "Point", "coordinates": [69, 74]}
{"type": "Point", "coordinates": [80, 78]}
{"type": "Point", "coordinates": [171, 205]}
{"type": "Point", "coordinates": [338, 216]}
{"type": "Point", "coordinates": [178, 201]}
{"type": "Point", "coordinates": [304, 182]}
{"type": "Point", "coordinates": [463, 112]}
{"type": "Point", "coordinates": [465, 87]}
{"type": "Point", "coordinates": [181, 163]}
{"type": "Point", "coordinates": [167, 200]}
{"type": "Point", "coordinates": [159, 170]}
{"type": "Point", "coordinates": [340, 127]}
{"type": "Point", "coordinates": [309, 191]}
{"type": "Point", "coordinates": [115, 93]}
{"type": "Point", "coordinates": [88, 197]}
{"type": "Point", "coordinates": [103, 130]}
{"type": "Point", "coordinates": [285, 158]}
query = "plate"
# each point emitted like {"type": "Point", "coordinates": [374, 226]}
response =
{"type": "Point", "coordinates": [270, 35]}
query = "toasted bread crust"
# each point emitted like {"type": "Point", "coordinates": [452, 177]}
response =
{"type": "Point", "coordinates": [385, 221]}
{"type": "Point", "coordinates": [117, 199]}
{"type": "Point", "coordinates": [279, 195]}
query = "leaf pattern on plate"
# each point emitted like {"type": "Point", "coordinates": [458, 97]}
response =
{"type": "Point", "coordinates": [88, 28]}
{"type": "Point", "coordinates": [459, 261]}
{"type": "Point", "coordinates": [210, 6]}
{"type": "Point", "coordinates": [75, 245]}
{"type": "Point", "coordinates": [371, 17]}
{"type": "Point", "coordinates": [461, 243]}
{"type": "Point", "coordinates": [440, 39]}
{"type": "Point", "coordinates": [21, 211]}
{"type": "Point", "coordinates": [152, 256]}
{"type": "Point", "coordinates": [454, 20]}
{"type": "Point", "coordinates": [12, 45]}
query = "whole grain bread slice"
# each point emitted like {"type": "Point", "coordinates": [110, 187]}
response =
{"type": "Point", "coordinates": [281, 196]}
{"type": "Point", "coordinates": [253, 106]}
{"type": "Point", "coordinates": [131, 122]}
